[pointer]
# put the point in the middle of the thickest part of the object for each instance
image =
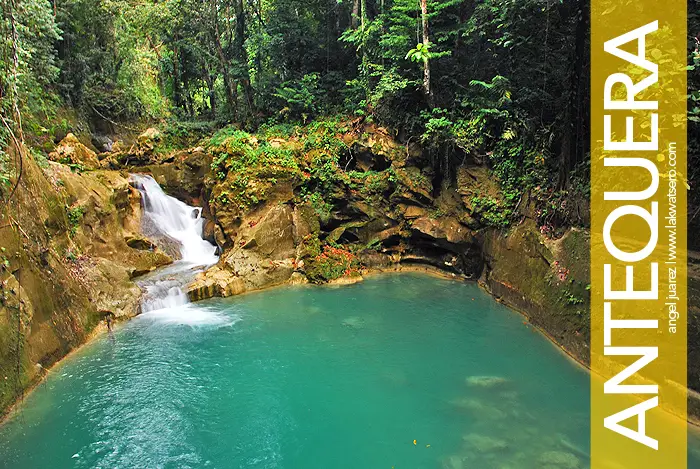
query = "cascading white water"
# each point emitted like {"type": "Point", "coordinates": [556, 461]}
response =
{"type": "Point", "coordinates": [177, 221]}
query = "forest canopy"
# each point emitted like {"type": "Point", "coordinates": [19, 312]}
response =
{"type": "Point", "coordinates": [505, 82]}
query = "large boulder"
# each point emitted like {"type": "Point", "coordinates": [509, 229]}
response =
{"type": "Point", "coordinates": [149, 138]}
{"type": "Point", "coordinates": [71, 151]}
{"type": "Point", "coordinates": [273, 235]}
{"type": "Point", "coordinates": [260, 253]}
{"type": "Point", "coordinates": [215, 282]}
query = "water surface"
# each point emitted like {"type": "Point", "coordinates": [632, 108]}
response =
{"type": "Point", "coordinates": [400, 371]}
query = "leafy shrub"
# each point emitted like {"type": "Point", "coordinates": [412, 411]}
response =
{"type": "Point", "coordinates": [230, 134]}
{"type": "Point", "coordinates": [182, 134]}
{"type": "Point", "coordinates": [276, 129]}
{"type": "Point", "coordinates": [323, 145]}
{"type": "Point", "coordinates": [301, 98]}
{"type": "Point", "coordinates": [330, 264]}
{"type": "Point", "coordinates": [490, 211]}
{"type": "Point", "coordinates": [75, 215]}
{"type": "Point", "coordinates": [325, 135]}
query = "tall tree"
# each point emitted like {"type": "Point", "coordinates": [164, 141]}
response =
{"type": "Point", "coordinates": [229, 85]}
{"type": "Point", "coordinates": [426, 56]}
{"type": "Point", "coordinates": [572, 134]}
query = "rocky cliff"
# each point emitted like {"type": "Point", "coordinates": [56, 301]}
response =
{"type": "Point", "coordinates": [71, 245]}
{"type": "Point", "coordinates": [328, 203]}
{"type": "Point", "coordinates": [325, 204]}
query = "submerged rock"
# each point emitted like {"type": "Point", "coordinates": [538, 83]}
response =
{"type": "Point", "coordinates": [479, 408]}
{"type": "Point", "coordinates": [453, 462]}
{"type": "Point", "coordinates": [354, 322]}
{"type": "Point", "coordinates": [486, 381]}
{"type": "Point", "coordinates": [558, 460]}
{"type": "Point", "coordinates": [484, 444]}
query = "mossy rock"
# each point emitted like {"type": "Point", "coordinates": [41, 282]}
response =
{"type": "Point", "coordinates": [71, 151]}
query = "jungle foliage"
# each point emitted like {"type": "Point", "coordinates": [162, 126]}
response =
{"type": "Point", "coordinates": [504, 83]}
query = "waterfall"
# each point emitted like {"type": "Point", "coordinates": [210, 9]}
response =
{"type": "Point", "coordinates": [168, 218]}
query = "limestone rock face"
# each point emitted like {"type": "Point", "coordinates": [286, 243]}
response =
{"type": "Point", "coordinates": [262, 254]}
{"type": "Point", "coordinates": [374, 148]}
{"type": "Point", "coordinates": [215, 282]}
{"type": "Point", "coordinates": [149, 138]}
{"type": "Point", "coordinates": [76, 245]}
{"type": "Point", "coordinates": [411, 212]}
{"type": "Point", "coordinates": [531, 273]}
{"type": "Point", "coordinates": [183, 176]}
{"type": "Point", "coordinates": [139, 242]}
{"type": "Point", "coordinates": [273, 235]}
{"type": "Point", "coordinates": [265, 248]}
{"type": "Point", "coordinates": [444, 231]}
{"type": "Point", "coordinates": [305, 221]}
{"type": "Point", "coordinates": [71, 151]}
{"type": "Point", "coordinates": [416, 188]}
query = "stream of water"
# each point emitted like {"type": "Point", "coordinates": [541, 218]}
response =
{"type": "Point", "coordinates": [167, 219]}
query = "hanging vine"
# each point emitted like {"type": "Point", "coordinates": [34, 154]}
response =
{"type": "Point", "coordinates": [12, 128]}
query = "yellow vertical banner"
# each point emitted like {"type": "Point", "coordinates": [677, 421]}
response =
{"type": "Point", "coordinates": [638, 234]}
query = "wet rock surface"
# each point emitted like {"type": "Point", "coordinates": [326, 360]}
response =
{"type": "Point", "coordinates": [73, 242]}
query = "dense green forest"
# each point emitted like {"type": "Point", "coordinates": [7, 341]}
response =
{"type": "Point", "coordinates": [501, 82]}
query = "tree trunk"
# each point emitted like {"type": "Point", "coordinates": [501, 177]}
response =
{"type": "Point", "coordinates": [189, 108]}
{"type": "Point", "coordinates": [355, 14]}
{"type": "Point", "coordinates": [210, 78]}
{"type": "Point", "coordinates": [223, 61]}
{"type": "Point", "coordinates": [176, 76]}
{"type": "Point", "coordinates": [426, 61]}
{"type": "Point", "coordinates": [243, 54]}
{"type": "Point", "coordinates": [571, 143]}
{"type": "Point", "coordinates": [365, 61]}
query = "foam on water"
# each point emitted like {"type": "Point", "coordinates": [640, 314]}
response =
{"type": "Point", "coordinates": [191, 315]}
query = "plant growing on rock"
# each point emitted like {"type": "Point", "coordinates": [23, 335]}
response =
{"type": "Point", "coordinates": [331, 264]}
{"type": "Point", "coordinates": [5, 170]}
{"type": "Point", "coordinates": [248, 168]}
{"type": "Point", "coordinates": [322, 208]}
{"type": "Point", "coordinates": [75, 215]}
{"type": "Point", "coordinates": [490, 211]}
